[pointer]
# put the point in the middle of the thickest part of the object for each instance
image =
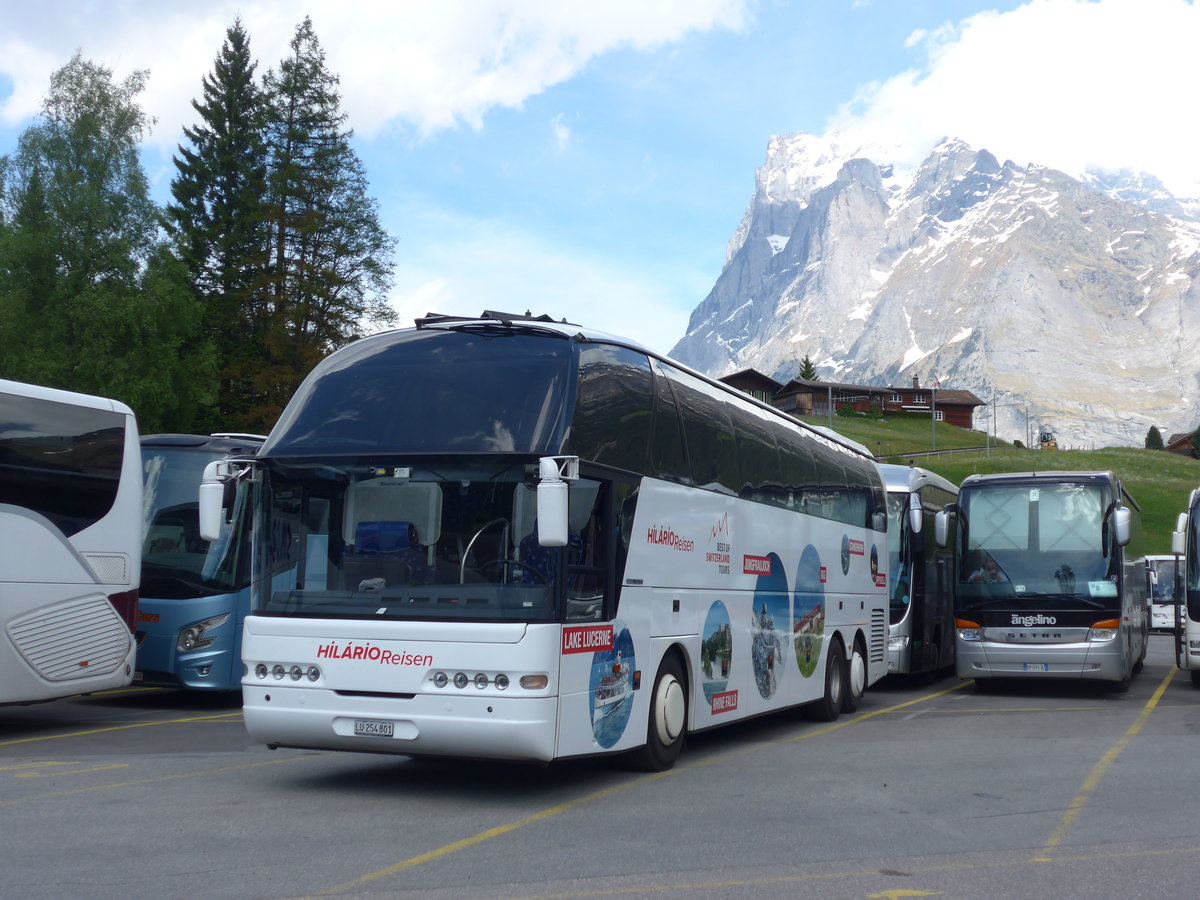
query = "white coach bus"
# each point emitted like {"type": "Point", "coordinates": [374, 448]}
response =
{"type": "Point", "coordinates": [920, 573]}
{"type": "Point", "coordinates": [1051, 578]}
{"type": "Point", "coordinates": [1185, 545]}
{"type": "Point", "coordinates": [513, 538]}
{"type": "Point", "coordinates": [71, 517]}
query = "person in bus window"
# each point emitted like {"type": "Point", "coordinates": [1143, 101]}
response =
{"type": "Point", "coordinates": [987, 573]}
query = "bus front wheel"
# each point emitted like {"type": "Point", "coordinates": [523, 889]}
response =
{"type": "Point", "coordinates": [668, 718]}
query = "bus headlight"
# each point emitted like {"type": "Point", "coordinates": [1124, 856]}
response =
{"type": "Point", "coordinates": [968, 630]}
{"type": "Point", "coordinates": [898, 643]}
{"type": "Point", "coordinates": [196, 636]}
{"type": "Point", "coordinates": [1104, 630]}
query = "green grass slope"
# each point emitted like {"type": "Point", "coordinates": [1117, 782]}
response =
{"type": "Point", "coordinates": [1158, 481]}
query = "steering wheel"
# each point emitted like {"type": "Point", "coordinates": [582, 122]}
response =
{"type": "Point", "coordinates": [504, 563]}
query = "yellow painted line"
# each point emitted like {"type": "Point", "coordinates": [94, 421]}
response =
{"type": "Point", "coordinates": [550, 812]}
{"type": "Point", "coordinates": [87, 771]}
{"type": "Point", "coordinates": [1092, 782]}
{"type": "Point", "coordinates": [914, 872]}
{"type": "Point", "coordinates": [35, 765]}
{"type": "Point", "coordinates": [180, 776]}
{"type": "Point", "coordinates": [111, 728]}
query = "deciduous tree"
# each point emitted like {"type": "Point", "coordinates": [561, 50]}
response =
{"type": "Point", "coordinates": [90, 301]}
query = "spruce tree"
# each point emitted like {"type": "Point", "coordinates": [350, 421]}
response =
{"type": "Point", "coordinates": [808, 370]}
{"type": "Point", "coordinates": [1154, 439]}
{"type": "Point", "coordinates": [331, 261]}
{"type": "Point", "coordinates": [218, 219]}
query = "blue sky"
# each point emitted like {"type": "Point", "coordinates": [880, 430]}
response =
{"type": "Point", "coordinates": [592, 160]}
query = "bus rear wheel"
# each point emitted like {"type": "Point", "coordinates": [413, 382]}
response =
{"type": "Point", "coordinates": [668, 718]}
{"type": "Point", "coordinates": [856, 680]}
{"type": "Point", "coordinates": [829, 707]}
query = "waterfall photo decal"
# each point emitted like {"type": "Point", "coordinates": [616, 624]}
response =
{"type": "Point", "coordinates": [716, 657]}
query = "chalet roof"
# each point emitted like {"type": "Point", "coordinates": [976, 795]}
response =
{"type": "Point", "coordinates": [751, 378]}
{"type": "Point", "coordinates": [944, 395]}
{"type": "Point", "coordinates": [961, 398]}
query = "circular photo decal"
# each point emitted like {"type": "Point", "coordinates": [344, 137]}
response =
{"type": "Point", "coordinates": [716, 650]}
{"type": "Point", "coordinates": [611, 687]}
{"type": "Point", "coordinates": [808, 622]}
{"type": "Point", "coordinates": [845, 554]}
{"type": "Point", "coordinates": [768, 628]}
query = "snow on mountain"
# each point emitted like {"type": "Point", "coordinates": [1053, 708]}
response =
{"type": "Point", "coordinates": [1073, 302]}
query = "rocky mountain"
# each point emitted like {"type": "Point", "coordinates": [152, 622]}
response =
{"type": "Point", "coordinates": [1060, 300]}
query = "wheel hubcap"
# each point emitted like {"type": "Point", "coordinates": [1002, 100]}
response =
{"type": "Point", "coordinates": [670, 709]}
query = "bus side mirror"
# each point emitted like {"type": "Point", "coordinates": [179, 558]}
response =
{"type": "Point", "coordinates": [916, 516]}
{"type": "Point", "coordinates": [941, 528]}
{"type": "Point", "coordinates": [1121, 522]}
{"type": "Point", "coordinates": [212, 501]}
{"type": "Point", "coordinates": [1179, 535]}
{"type": "Point", "coordinates": [553, 473]}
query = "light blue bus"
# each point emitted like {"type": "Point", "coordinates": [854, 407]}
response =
{"type": "Point", "coordinates": [194, 594]}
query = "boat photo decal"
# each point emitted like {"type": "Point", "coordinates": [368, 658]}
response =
{"type": "Point", "coordinates": [716, 657]}
{"type": "Point", "coordinates": [808, 620]}
{"type": "Point", "coordinates": [611, 687]}
{"type": "Point", "coordinates": [768, 621]}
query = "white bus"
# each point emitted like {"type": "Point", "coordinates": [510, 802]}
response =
{"type": "Point", "coordinates": [71, 516]}
{"type": "Point", "coordinates": [920, 573]}
{"type": "Point", "coordinates": [513, 538]}
{"type": "Point", "coordinates": [1185, 544]}
{"type": "Point", "coordinates": [1161, 587]}
{"type": "Point", "coordinates": [1051, 582]}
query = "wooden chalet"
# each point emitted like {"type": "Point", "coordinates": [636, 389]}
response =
{"type": "Point", "coordinates": [800, 397]}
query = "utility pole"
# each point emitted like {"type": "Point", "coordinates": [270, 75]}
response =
{"type": "Point", "coordinates": [933, 412]}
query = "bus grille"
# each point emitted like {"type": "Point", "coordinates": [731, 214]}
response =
{"type": "Point", "coordinates": [878, 636]}
{"type": "Point", "coordinates": [81, 638]}
{"type": "Point", "coordinates": [110, 568]}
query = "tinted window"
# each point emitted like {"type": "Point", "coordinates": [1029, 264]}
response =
{"type": "Point", "coordinates": [668, 455]}
{"type": "Point", "coordinates": [433, 392]}
{"type": "Point", "coordinates": [762, 473]}
{"type": "Point", "coordinates": [59, 460]}
{"type": "Point", "coordinates": [707, 430]}
{"type": "Point", "coordinates": [613, 407]}
{"type": "Point", "coordinates": [799, 469]}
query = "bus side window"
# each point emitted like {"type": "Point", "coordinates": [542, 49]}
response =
{"type": "Point", "coordinates": [586, 567]}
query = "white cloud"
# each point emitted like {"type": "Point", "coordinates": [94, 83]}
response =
{"type": "Point", "coordinates": [1066, 83]}
{"type": "Point", "coordinates": [561, 132]}
{"type": "Point", "coordinates": [418, 65]}
{"type": "Point", "coordinates": [462, 266]}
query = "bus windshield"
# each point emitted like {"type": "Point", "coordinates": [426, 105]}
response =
{"type": "Point", "coordinates": [1047, 543]}
{"type": "Point", "coordinates": [443, 538]}
{"type": "Point", "coordinates": [176, 563]}
{"type": "Point", "coordinates": [432, 391]}
{"type": "Point", "coordinates": [899, 574]}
